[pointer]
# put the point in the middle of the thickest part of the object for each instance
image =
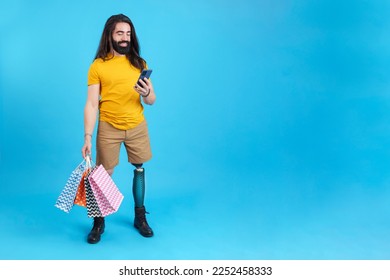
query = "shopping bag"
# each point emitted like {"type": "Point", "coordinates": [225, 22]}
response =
{"type": "Point", "coordinates": [80, 198]}
{"type": "Point", "coordinates": [91, 204]}
{"type": "Point", "coordinates": [106, 193]}
{"type": "Point", "coordinates": [66, 199]}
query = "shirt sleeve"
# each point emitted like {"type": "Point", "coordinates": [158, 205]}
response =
{"type": "Point", "coordinates": [93, 74]}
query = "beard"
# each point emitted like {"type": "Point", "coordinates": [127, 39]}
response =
{"type": "Point", "coordinates": [121, 49]}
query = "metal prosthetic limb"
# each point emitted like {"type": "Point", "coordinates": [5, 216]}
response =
{"type": "Point", "coordinates": [140, 221]}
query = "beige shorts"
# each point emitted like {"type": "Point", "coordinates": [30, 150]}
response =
{"type": "Point", "coordinates": [109, 140]}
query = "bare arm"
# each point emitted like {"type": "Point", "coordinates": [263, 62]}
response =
{"type": "Point", "coordinates": [90, 113]}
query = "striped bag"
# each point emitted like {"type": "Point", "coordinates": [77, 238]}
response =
{"type": "Point", "coordinates": [105, 191]}
{"type": "Point", "coordinates": [91, 204]}
{"type": "Point", "coordinates": [66, 199]}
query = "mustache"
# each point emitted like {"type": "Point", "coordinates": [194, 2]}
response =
{"type": "Point", "coordinates": [121, 42]}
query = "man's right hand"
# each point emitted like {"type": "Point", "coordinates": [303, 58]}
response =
{"type": "Point", "coordinates": [86, 149]}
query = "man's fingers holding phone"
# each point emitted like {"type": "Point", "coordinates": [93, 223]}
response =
{"type": "Point", "coordinates": [142, 87]}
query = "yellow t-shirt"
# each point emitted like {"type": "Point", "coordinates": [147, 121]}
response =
{"type": "Point", "coordinates": [119, 105]}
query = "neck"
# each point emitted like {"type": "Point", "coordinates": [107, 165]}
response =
{"type": "Point", "coordinates": [117, 54]}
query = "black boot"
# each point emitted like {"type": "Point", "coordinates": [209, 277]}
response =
{"type": "Point", "coordinates": [97, 230]}
{"type": "Point", "coordinates": [140, 222]}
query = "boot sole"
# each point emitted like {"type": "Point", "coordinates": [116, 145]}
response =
{"type": "Point", "coordinates": [144, 235]}
{"type": "Point", "coordinates": [97, 241]}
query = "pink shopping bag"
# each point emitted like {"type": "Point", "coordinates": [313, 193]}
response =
{"type": "Point", "coordinates": [106, 193]}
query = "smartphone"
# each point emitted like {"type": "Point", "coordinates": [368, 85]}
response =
{"type": "Point", "coordinates": [144, 74]}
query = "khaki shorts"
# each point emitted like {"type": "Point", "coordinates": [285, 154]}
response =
{"type": "Point", "coordinates": [109, 140]}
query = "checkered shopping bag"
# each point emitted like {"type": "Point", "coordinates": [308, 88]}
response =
{"type": "Point", "coordinates": [106, 193]}
{"type": "Point", "coordinates": [66, 199]}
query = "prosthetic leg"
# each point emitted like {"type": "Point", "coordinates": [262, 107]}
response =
{"type": "Point", "coordinates": [140, 221]}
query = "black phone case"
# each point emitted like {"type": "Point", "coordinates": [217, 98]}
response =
{"type": "Point", "coordinates": [144, 74]}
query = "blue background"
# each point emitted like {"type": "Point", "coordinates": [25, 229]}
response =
{"type": "Point", "coordinates": [270, 132]}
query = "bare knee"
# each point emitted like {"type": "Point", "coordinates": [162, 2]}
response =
{"type": "Point", "coordinates": [110, 171]}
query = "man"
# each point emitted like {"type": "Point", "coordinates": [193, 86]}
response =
{"type": "Point", "coordinates": [113, 91]}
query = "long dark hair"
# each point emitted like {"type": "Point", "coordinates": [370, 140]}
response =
{"type": "Point", "coordinates": [105, 45]}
